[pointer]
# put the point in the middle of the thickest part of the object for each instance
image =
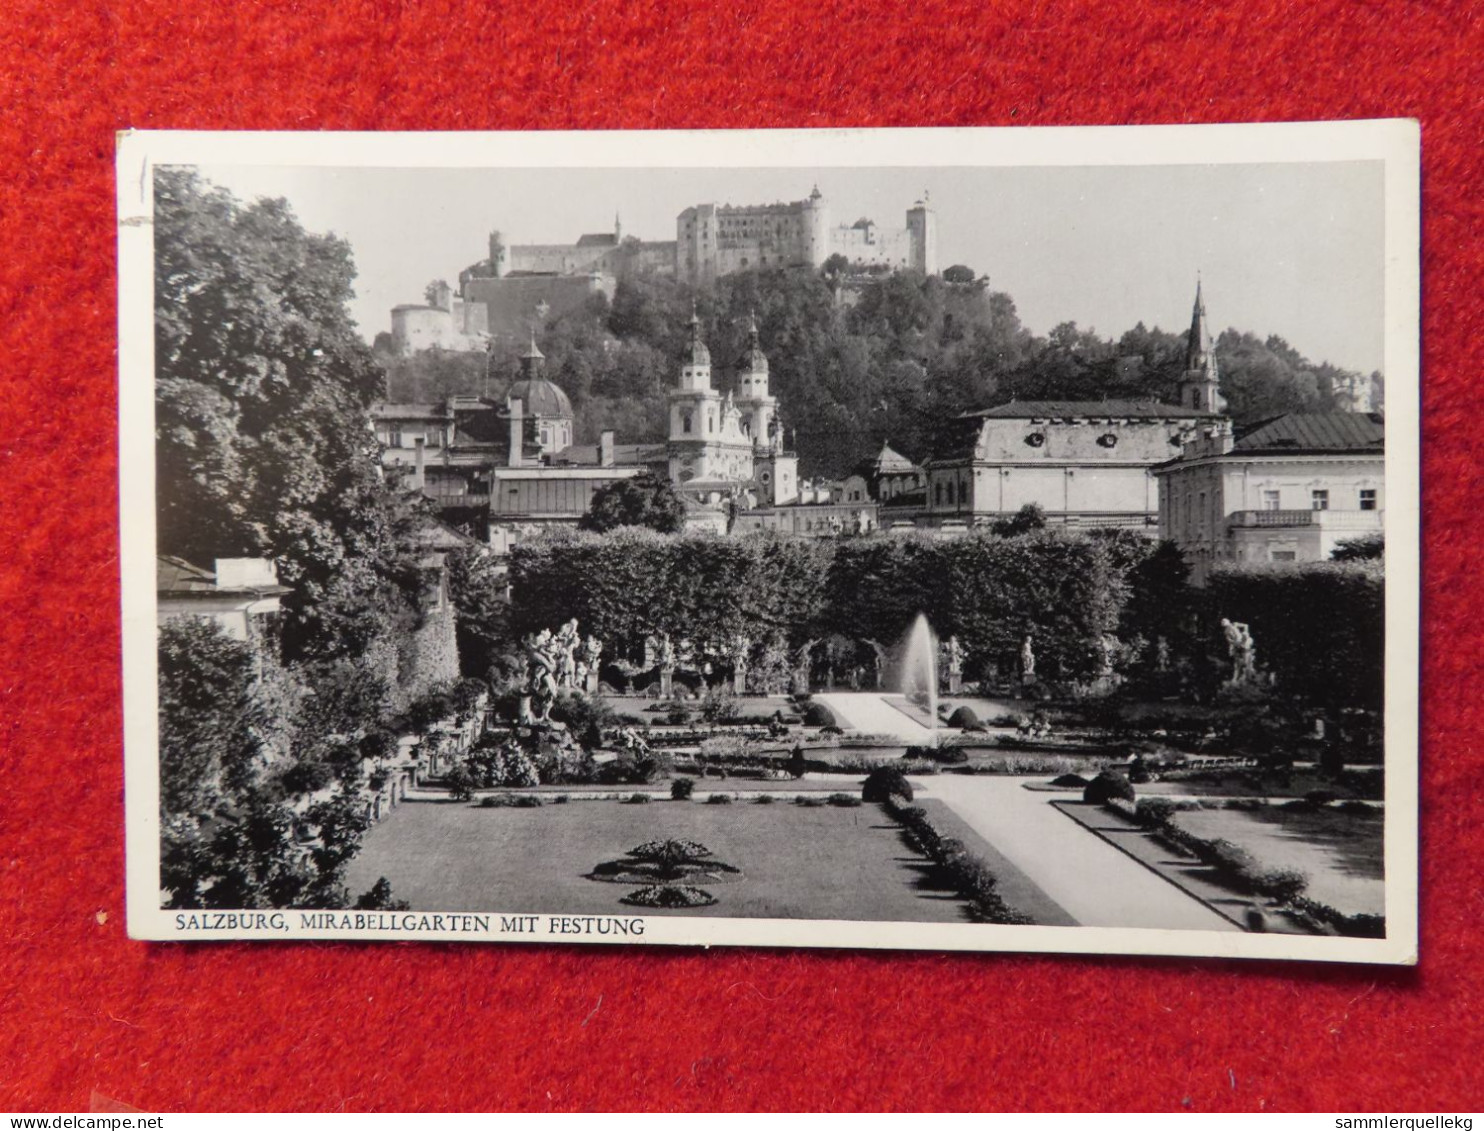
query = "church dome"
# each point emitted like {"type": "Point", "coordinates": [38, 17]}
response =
{"type": "Point", "coordinates": [540, 397]}
{"type": "Point", "coordinates": [699, 354]}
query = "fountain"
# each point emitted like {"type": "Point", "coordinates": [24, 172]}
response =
{"type": "Point", "coordinates": [904, 704]}
{"type": "Point", "coordinates": [917, 671]}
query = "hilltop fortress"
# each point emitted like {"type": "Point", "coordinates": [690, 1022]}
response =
{"type": "Point", "coordinates": [519, 285]}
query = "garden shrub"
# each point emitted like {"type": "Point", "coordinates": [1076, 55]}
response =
{"type": "Point", "coordinates": [965, 719]}
{"type": "Point", "coordinates": [818, 715]}
{"type": "Point", "coordinates": [681, 789]}
{"type": "Point", "coordinates": [1069, 781]}
{"type": "Point", "coordinates": [1107, 786]}
{"type": "Point", "coordinates": [1154, 811]}
{"type": "Point", "coordinates": [637, 799]}
{"type": "Point", "coordinates": [510, 801]}
{"type": "Point", "coordinates": [719, 705]}
{"type": "Point", "coordinates": [1281, 884]}
{"type": "Point", "coordinates": [678, 716]}
{"type": "Point", "coordinates": [305, 778]}
{"type": "Point", "coordinates": [808, 801]}
{"type": "Point", "coordinates": [673, 896]}
{"type": "Point", "coordinates": [505, 765]}
{"type": "Point", "coordinates": [970, 876]}
{"type": "Point", "coordinates": [764, 799]}
{"type": "Point", "coordinates": [844, 800]}
{"type": "Point", "coordinates": [379, 898]}
{"type": "Point", "coordinates": [719, 799]}
{"type": "Point", "coordinates": [884, 783]}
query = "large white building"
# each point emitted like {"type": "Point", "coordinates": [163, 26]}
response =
{"type": "Point", "coordinates": [1289, 488]}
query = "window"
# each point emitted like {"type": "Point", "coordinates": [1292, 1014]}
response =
{"type": "Point", "coordinates": [938, 491]}
{"type": "Point", "coordinates": [685, 422]}
{"type": "Point", "coordinates": [1367, 498]}
{"type": "Point", "coordinates": [1320, 500]}
{"type": "Point", "coordinates": [1272, 500]}
{"type": "Point", "coordinates": [1284, 555]}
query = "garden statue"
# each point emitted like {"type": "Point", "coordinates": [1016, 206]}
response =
{"type": "Point", "coordinates": [667, 665]}
{"type": "Point", "coordinates": [741, 647]}
{"type": "Point", "coordinates": [878, 662]}
{"type": "Point", "coordinates": [1243, 652]}
{"type": "Point", "coordinates": [1162, 655]}
{"type": "Point", "coordinates": [953, 663]}
{"type": "Point", "coordinates": [542, 664]}
{"type": "Point", "coordinates": [1107, 650]}
{"type": "Point", "coordinates": [567, 641]}
{"type": "Point", "coordinates": [592, 652]}
{"type": "Point", "coordinates": [1027, 661]}
{"type": "Point", "coordinates": [802, 663]}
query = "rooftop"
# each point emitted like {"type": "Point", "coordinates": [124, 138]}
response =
{"type": "Point", "coordinates": [1098, 410]}
{"type": "Point", "coordinates": [1314, 432]}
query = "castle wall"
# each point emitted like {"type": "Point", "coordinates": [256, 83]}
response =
{"type": "Point", "coordinates": [511, 303]}
{"type": "Point", "coordinates": [419, 328]}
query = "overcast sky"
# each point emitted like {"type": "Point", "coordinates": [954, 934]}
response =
{"type": "Point", "coordinates": [1292, 249]}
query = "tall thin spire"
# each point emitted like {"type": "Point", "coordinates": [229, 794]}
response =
{"type": "Point", "coordinates": [1200, 349]}
{"type": "Point", "coordinates": [1201, 388]}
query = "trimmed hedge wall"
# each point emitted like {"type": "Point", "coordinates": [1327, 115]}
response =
{"type": "Point", "coordinates": [1319, 627]}
{"type": "Point", "coordinates": [1064, 588]}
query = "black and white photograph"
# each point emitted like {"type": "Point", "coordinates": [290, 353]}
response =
{"type": "Point", "coordinates": [922, 539]}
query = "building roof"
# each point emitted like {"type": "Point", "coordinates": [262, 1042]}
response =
{"type": "Point", "coordinates": [540, 397]}
{"type": "Point", "coordinates": [624, 455]}
{"type": "Point", "coordinates": [176, 575]}
{"type": "Point", "coordinates": [889, 461]}
{"type": "Point", "coordinates": [1314, 432]}
{"type": "Point", "coordinates": [179, 578]}
{"type": "Point", "coordinates": [1098, 410]}
{"type": "Point", "coordinates": [392, 411]}
{"type": "Point", "coordinates": [597, 239]}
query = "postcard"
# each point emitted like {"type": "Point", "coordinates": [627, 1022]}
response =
{"type": "Point", "coordinates": [933, 539]}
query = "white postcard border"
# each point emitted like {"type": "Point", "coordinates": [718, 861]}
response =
{"type": "Point", "coordinates": [1394, 142]}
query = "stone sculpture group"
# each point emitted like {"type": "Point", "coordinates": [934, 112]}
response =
{"type": "Point", "coordinates": [555, 661]}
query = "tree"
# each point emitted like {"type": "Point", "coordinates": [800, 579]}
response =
{"type": "Point", "coordinates": [1363, 547]}
{"type": "Point", "coordinates": [433, 291]}
{"type": "Point", "coordinates": [644, 500]}
{"type": "Point", "coordinates": [1028, 518]}
{"type": "Point", "coordinates": [262, 391]}
{"type": "Point", "coordinates": [959, 275]}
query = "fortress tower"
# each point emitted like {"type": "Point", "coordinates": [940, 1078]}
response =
{"type": "Point", "coordinates": [922, 235]}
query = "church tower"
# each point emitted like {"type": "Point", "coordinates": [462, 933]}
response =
{"type": "Point", "coordinates": [695, 414]}
{"type": "Point", "coordinates": [775, 472]}
{"type": "Point", "coordinates": [1200, 388]}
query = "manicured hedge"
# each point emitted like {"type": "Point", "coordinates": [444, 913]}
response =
{"type": "Point", "coordinates": [970, 876]}
{"type": "Point", "coordinates": [1062, 588]}
{"type": "Point", "coordinates": [1319, 627]}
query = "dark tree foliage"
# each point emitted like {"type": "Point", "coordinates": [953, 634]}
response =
{"type": "Point", "coordinates": [645, 500]}
{"type": "Point", "coordinates": [1361, 548]}
{"type": "Point", "coordinates": [1028, 518]}
{"type": "Point", "coordinates": [855, 359]}
{"type": "Point", "coordinates": [262, 392]}
{"type": "Point", "coordinates": [1066, 590]}
{"type": "Point", "coordinates": [261, 395]}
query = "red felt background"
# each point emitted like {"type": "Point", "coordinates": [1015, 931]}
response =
{"type": "Point", "coordinates": [315, 1026]}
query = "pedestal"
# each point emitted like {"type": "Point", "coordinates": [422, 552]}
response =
{"type": "Point", "coordinates": [739, 681]}
{"type": "Point", "coordinates": [667, 683]}
{"type": "Point", "coordinates": [590, 683]}
{"type": "Point", "coordinates": [955, 683]}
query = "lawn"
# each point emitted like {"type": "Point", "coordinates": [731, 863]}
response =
{"type": "Point", "coordinates": [796, 862]}
{"type": "Point", "coordinates": [1341, 854]}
